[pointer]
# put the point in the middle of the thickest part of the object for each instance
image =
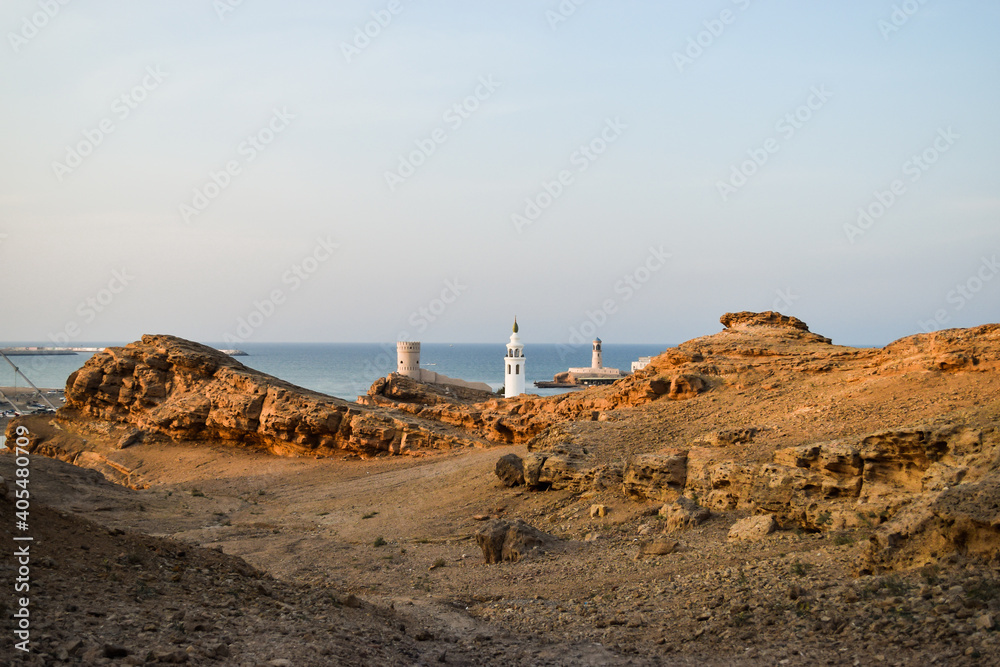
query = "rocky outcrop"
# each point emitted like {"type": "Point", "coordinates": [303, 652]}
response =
{"type": "Point", "coordinates": [186, 391]}
{"type": "Point", "coordinates": [659, 476]}
{"type": "Point", "coordinates": [746, 319]}
{"type": "Point", "coordinates": [501, 540]}
{"type": "Point", "coordinates": [684, 513]}
{"type": "Point", "coordinates": [753, 528]}
{"type": "Point", "coordinates": [564, 467]}
{"type": "Point", "coordinates": [962, 520]}
{"type": "Point", "coordinates": [396, 388]}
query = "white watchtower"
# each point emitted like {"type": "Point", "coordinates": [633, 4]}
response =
{"type": "Point", "coordinates": [513, 384]}
{"type": "Point", "coordinates": [595, 360]}
{"type": "Point", "coordinates": [408, 358]}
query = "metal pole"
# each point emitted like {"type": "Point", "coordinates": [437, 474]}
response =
{"type": "Point", "coordinates": [37, 390]}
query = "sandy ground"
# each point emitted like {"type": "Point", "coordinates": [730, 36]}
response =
{"type": "Point", "coordinates": [399, 534]}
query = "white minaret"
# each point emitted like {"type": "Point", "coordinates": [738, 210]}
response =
{"type": "Point", "coordinates": [513, 384]}
{"type": "Point", "coordinates": [595, 360]}
{"type": "Point", "coordinates": [408, 358]}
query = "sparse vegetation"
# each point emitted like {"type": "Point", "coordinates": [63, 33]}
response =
{"type": "Point", "coordinates": [379, 542]}
{"type": "Point", "coordinates": [800, 569]}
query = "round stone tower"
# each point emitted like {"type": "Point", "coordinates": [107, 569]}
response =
{"type": "Point", "coordinates": [408, 358]}
{"type": "Point", "coordinates": [595, 360]}
{"type": "Point", "coordinates": [513, 384]}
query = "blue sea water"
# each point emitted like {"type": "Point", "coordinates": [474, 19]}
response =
{"type": "Point", "coordinates": [346, 370]}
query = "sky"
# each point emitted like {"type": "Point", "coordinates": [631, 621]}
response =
{"type": "Point", "coordinates": [234, 171]}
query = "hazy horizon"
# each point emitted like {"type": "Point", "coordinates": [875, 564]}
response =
{"type": "Point", "coordinates": [363, 172]}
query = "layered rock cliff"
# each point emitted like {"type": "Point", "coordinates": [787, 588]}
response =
{"type": "Point", "coordinates": [173, 388]}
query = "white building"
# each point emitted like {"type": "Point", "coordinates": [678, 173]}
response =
{"type": "Point", "coordinates": [642, 363]}
{"type": "Point", "coordinates": [513, 384]}
{"type": "Point", "coordinates": [408, 364]}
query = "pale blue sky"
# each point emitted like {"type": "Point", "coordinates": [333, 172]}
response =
{"type": "Point", "coordinates": [441, 245]}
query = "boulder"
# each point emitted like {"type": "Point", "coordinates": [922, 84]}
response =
{"type": "Point", "coordinates": [660, 546]}
{"type": "Point", "coordinates": [753, 528]}
{"type": "Point", "coordinates": [684, 513]}
{"type": "Point", "coordinates": [510, 470]}
{"type": "Point", "coordinates": [503, 540]}
{"type": "Point", "coordinates": [656, 476]}
{"type": "Point", "coordinates": [686, 385]}
{"type": "Point", "coordinates": [598, 511]}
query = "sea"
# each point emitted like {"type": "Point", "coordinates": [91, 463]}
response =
{"type": "Point", "coordinates": [347, 370]}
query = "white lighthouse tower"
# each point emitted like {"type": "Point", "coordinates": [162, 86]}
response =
{"type": "Point", "coordinates": [595, 360]}
{"type": "Point", "coordinates": [513, 384]}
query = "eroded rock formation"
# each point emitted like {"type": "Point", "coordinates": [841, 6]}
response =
{"type": "Point", "coordinates": [167, 386]}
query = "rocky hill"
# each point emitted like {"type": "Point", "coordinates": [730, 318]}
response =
{"type": "Point", "coordinates": [167, 387]}
{"type": "Point", "coordinates": [754, 496]}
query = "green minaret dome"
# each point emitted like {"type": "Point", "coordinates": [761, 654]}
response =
{"type": "Point", "coordinates": [515, 325]}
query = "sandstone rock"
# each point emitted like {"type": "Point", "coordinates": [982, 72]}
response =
{"type": "Point", "coordinates": [686, 385]}
{"type": "Point", "coordinates": [186, 391]}
{"type": "Point", "coordinates": [656, 476]}
{"type": "Point", "coordinates": [657, 547]}
{"type": "Point", "coordinates": [510, 470]}
{"type": "Point", "coordinates": [597, 511]}
{"type": "Point", "coordinates": [769, 318]}
{"type": "Point", "coordinates": [564, 470]}
{"type": "Point", "coordinates": [753, 528]}
{"type": "Point", "coordinates": [532, 465]}
{"type": "Point", "coordinates": [501, 540]}
{"type": "Point", "coordinates": [720, 483]}
{"type": "Point", "coordinates": [728, 437]}
{"type": "Point", "coordinates": [898, 461]}
{"type": "Point", "coordinates": [684, 513]}
{"type": "Point", "coordinates": [961, 519]}
{"type": "Point", "coordinates": [397, 388]}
